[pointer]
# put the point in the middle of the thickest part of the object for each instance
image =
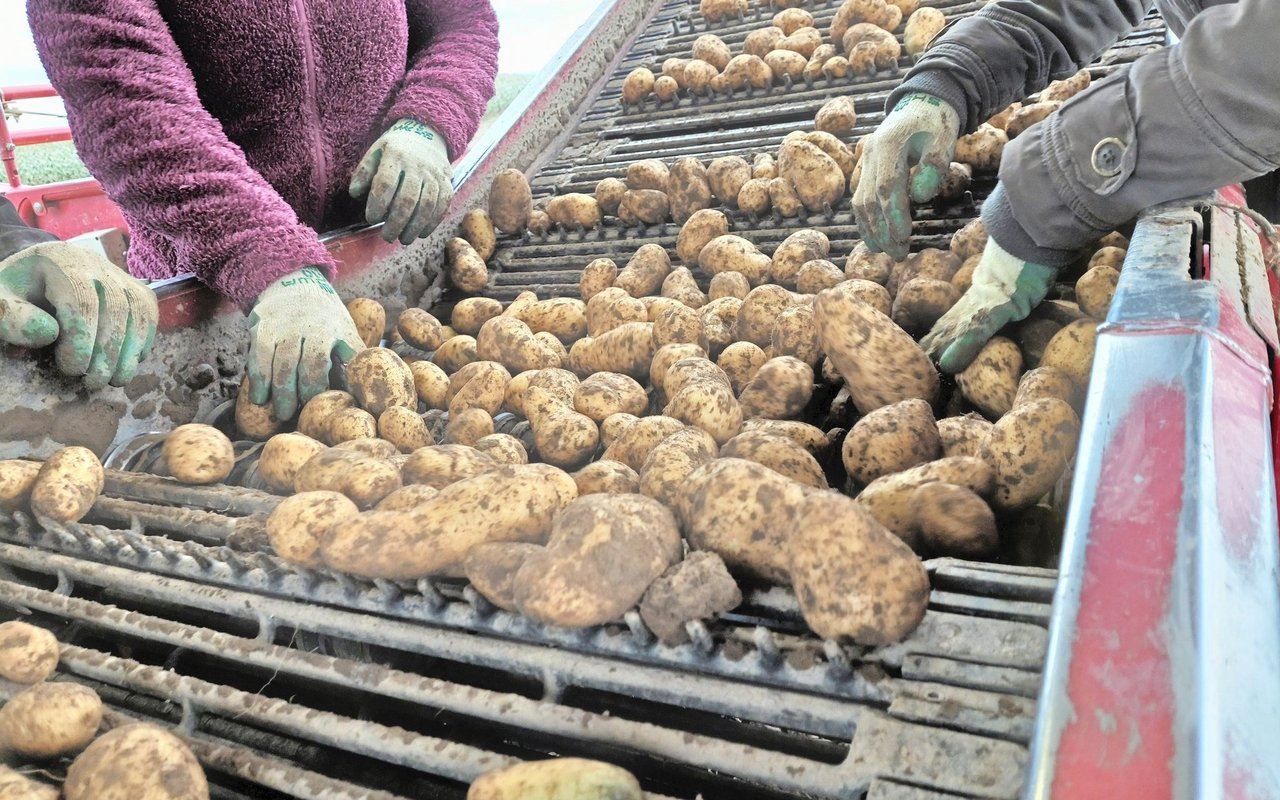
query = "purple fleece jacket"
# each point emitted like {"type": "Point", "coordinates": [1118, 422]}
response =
{"type": "Point", "coordinates": [227, 131]}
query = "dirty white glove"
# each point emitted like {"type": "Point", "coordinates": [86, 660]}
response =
{"type": "Point", "coordinates": [296, 326]}
{"type": "Point", "coordinates": [922, 130]}
{"type": "Point", "coordinates": [409, 180]}
{"type": "Point", "coordinates": [103, 319]}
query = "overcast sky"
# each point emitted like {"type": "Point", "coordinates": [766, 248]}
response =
{"type": "Point", "coordinates": [530, 32]}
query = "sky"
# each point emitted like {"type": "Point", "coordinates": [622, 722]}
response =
{"type": "Point", "coordinates": [530, 34]}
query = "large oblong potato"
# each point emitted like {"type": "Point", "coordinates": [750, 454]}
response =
{"type": "Point", "coordinates": [891, 439]}
{"type": "Point", "coordinates": [606, 393]}
{"type": "Point", "coordinates": [50, 719]}
{"type": "Point", "coordinates": [511, 343]}
{"type": "Point", "coordinates": [779, 453]}
{"type": "Point", "coordinates": [440, 465]}
{"type": "Point", "coordinates": [557, 779]}
{"type": "Point", "coordinates": [1030, 448]}
{"type": "Point", "coordinates": [28, 654]}
{"type": "Point", "coordinates": [990, 382]}
{"type": "Point", "coordinates": [888, 498]}
{"type": "Point", "coordinates": [296, 526]}
{"type": "Point", "coordinates": [68, 484]}
{"type": "Point", "coordinates": [671, 461]}
{"type": "Point", "coordinates": [699, 229]}
{"type": "Point", "coordinates": [511, 200]}
{"type": "Point", "coordinates": [380, 379]}
{"type": "Point", "coordinates": [139, 761]}
{"type": "Point", "coordinates": [282, 456]}
{"type": "Point", "coordinates": [816, 177]}
{"type": "Point", "coordinates": [644, 273]}
{"type": "Point", "coordinates": [780, 389]}
{"type": "Point", "coordinates": [574, 211]}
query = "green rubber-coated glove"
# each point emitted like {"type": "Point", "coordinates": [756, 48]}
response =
{"type": "Point", "coordinates": [103, 319]}
{"type": "Point", "coordinates": [1005, 289]}
{"type": "Point", "coordinates": [297, 324]}
{"type": "Point", "coordinates": [409, 180]}
{"type": "Point", "coordinates": [922, 130]}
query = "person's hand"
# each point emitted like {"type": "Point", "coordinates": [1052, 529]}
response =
{"type": "Point", "coordinates": [1005, 288]}
{"type": "Point", "coordinates": [922, 130]}
{"type": "Point", "coordinates": [409, 180]}
{"type": "Point", "coordinates": [103, 319]}
{"type": "Point", "coordinates": [295, 327]}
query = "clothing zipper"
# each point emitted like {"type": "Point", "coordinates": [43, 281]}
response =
{"type": "Point", "coordinates": [311, 113]}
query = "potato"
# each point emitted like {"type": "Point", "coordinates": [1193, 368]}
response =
{"type": "Point", "coordinates": [349, 424]}
{"type": "Point", "coordinates": [406, 498]}
{"type": "Point", "coordinates": [741, 511]}
{"type": "Point", "coordinates": [740, 362]}
{"type": "Point", "coordinates": [539, 222]}
{"type": "Point", "coordinates": [837, 116]}
{"type": "Point", "coordinates": [1095, 289]}
{"type": "Point", "coordinates": [748, 72]}
{"type": "Point", "coordinates": [635, 88]}
{"type": "Point", "coordinates": [28, 654]}
{"type": "Point", "coordinates": [700, 587]}
{"type": "Point", "coordinates": [596, 277]}
{"type": "Point", "coordinates": [991, 380]}
{"type": "Point", "coordinates": [880, 362]}
{"type": "Point", "coordinates": [891, 439]}
{"type": "Point", "coordinates": [795, 251]}
{"type": "Point", "coordinates": [557, 779]}
{"type": "Point", "coordinates": [468, 426]}
{"type": "Point", "coordinates": [816, 275]}
{"type": "Point", "coordinates": [1029, 115]}
{"type": "Point", "coordinates": [692, 370]}
{"type": "Point", "coordinates": [761, 42]}
{"type": "Point", "coordinates": [1071, 350]}
{"type": "Point", "coordinates": [608, 194]}
{"type": "Point", "coordinates": [509, 342]}
{"type": "Point", "coordinates": [785, 64]}
{"type": "Point", "coordinates": [680, 285]}
{"type": "Point", "coordinates": [562, 436]}
{"type": "Point", "coordinates": [862, 264]}
{"type": "Point", "coordinates": [699, 75]}
{"type": "Point", "coordinates": [1030, 448]}
{"type": "Point", "coordinates": [726, 176]}
{"type": "Point", "coordinates": [605, 393]}
{"type": "Point", "coordinates": [254, 421]}
{"type": "Point", "coordinates": [139, 761]}
{"type": "Point", "coordinates": [794, 334]}
{"type": "Point", "coordinates": [576, 211]}
{"type": "Point", "coordinates": [194, 453]}
{"type": "Point", "coordinates": [728, 284]}
{"type": "Point", "coordinates": [963, 278]}
{"type": "Point", "coordinates": [296, 526]}
{"type": "Point", "coordinates": [930, 263]}
{"type": "Point", "coordinates": [732, 253]}
{"type": "Point", "coordinates": [491, 568]}
{"type": "Point", "coordinates": [713, 50]}
{"type": "Point", "coordinates": [852, 578]}
{"type": "Point", "coordinates": [563, 317]}
{"type": "Point", "coordinates": [465, 268]}
{"type": "Point", "coordinates": [1043, 382]}
{"type": "Point", "coordinates": [370, 319]}
{"type": "Point", "coordinates": [922, 27]}
{"type": "Point", "coordinates": [779, 453]}
{"type": "Point", "coordinates": [673, 68]}
{"type": "Point", "coordinates": [920, 302]}
{"type": "Point", "coordinates": [16, 786]}
{"type": "Point", "coordinates": [477, 228]}
{"type": "Point", "coordinates": [633, 443]}
{"type": "Point", "coordinates": [420, 329]}
{"type": "Point", "coordinates": [645, 272]}
{"type": "Point", "coordinates": [614, 425]}
{"type": "Point", "coordinates": [689, 189]}
{"type": "Point", "coordinates": [706, 404]}
{"type": "Point", "coordinates": [644, 207]}
{"type": "Point", "coordinates": [430, 383]}
{"type": "Point", "coordinates": [852, 12]}
{"type": "Point", "coordinates": [17, 477]}
{"type": "Point", "coordinates": [804, 42]}
{"type": "Point", "coordinates": [983, 148]}
{"type": "Point", "coordinates": [888, 498]}
{"type": "Point", "coordinates": [815, 176]}
{"type": "Point", "coordinates": [835, 149]}
{"type": "Point", "coordinates": [506, 503]}
{"type": "Point", "coordinates": [759, 311]}
{"type": "Point", "coordinates": [671, 461]}
{"type": "Point", "coordinates": [970, 240]}
{"type": "Point", "coordinates": [753, 199]}
{"type": "Point", "coordinates": [780, 389]}
{"type": "Point", "coordinates": [1065, 89]}
{"type": "Point", "coordinates": [612, 307]}
{"type": "Point", "coordinates": [963, 436]}
{"type": "Point", "coordinates": [627, 348]}
{"type": "Point", "coordinates": [282, 456]}
{"type": "Point", "coordinates": [440, 465]}
{"type": "Point", "coordinates": [362, 478]}
{"type": "Point", "coordinates": [607, 477]}
{"type": "Point", "coordinates": [368, 446]}
{"type": "Point", "coordinates": [870, 48]}
{"type": "Point", "coordinates": [502, 448]}
{"type": "Point", "coordinates": [313, 419]}
{"type": "Point", "coordinates": [837, 67]}
{"type": "Point", "coordinates": [700, 229]}
{"type": "Point", "coordinates": [380, 380]}
{"type": "Point", "coordinates": [808, 436]}
{"type": "Point", "coordinates": [792, 19]}
{"type": "Point", "coordinates": [666, 88]}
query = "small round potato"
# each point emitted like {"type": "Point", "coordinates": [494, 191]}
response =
{"type": "Point", "coordinates": [50, 719]}
{"type": "Point", "coordinates": [608, 194]}
{"type": "Point", "coordinates": [350, 424]}
{"type": "Point", "coordinates": [315, 414]}
{"type": "Point", "coordinates": [470, 314]}
{"type": "Point", "coordinates": [922, 27]}
{"type": "Point", "coordinates": [198, 454]}
{"type": "Point", "coordinates": [282, 456]}
{"type": "Point", "coordinates": [726, 176]}
{"type": "Point", "coordinates": [28, 654]}
{"type": "Point", "coordinates": [712, 49]}
{"type": "Point", "coordinates": [740, 362]}
{"type": "Point", "coordinates": [637, 86]}
{"type": "Point", "coordinates": [68, 484]}
{"type": "Point", "coordinates": [1071, 350]}
{"type": "Point", "coordinates": [837, 116]}
{"type": "Point", "coordinates": [728, 284]}
{"type": "Point", "coordinates": [403, 428]}
{"type": "Point", "coordinates": [963, 436]}
{"type": "Point", "coordinates": [136, 762]}
{"type": "Point", "coordinates": [780, 389]}
{"type": "Point", "coordinates": [468, 426]}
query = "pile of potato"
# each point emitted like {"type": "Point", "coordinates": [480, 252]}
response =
{"type": "Point", "coordinates": [52, 720]}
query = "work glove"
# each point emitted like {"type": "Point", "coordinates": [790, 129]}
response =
{"type": "Point", "coordinates": [1005, 288]}
{"type": "Point", "coordinates": [409, 180]}
{"type": "Point", "coordinates": [103, 319]}
{"type": "Point", "coordinates": [922, 130]}
{"type": "Point", "coordinates": [296, 326]}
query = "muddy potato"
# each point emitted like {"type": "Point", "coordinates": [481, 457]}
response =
{"type": "Point", "coordinates": [689, 190]}
{"type": "Point", "coordinates": [991, 380]}
{"type": "Point", "coordinates": [406, 498]}
{"type": "Point", "coordinates": [297, 524]}
{"type": "Point", "coordinates": [510, 342]}
{"type": "Point", "coordinates": [667, 355]}
{"type": "Point", "coordinates": [699, 587]}
{"type": "Point", "coordinates": [880, 362]}
{"type": "Point", "coordinates": [955, 182]}
{"type": "Point", "coordinates": [983, 148]}
{"type": "Point", "coordinates": [627, 348]}
{"type": "Point", "coordinates": [138, 761]}
{"type": "Point", "coordinates": [362, 478]}
{"type": "Point", "coordinates": [539, 222]}
{"type": "Point", "coordinates": [563, 317]}
{"type": "Point", "coordinates": [440, 465]}
{"type": "Point", "coordinates": [819, 58]}
{"type": "Point", "coordinates": [741, 511]}
{"type": "Point", "coordinates": [963, 436]}
{"type": "Point", "coordinates": [761, 42]}
{"type": "Point", "coordinates": [779, 453]}
{"type": "Point", "coordinates": [712, 49]}
{"type": "Point", "coordinates": [1095, 289]}
{"type": "Point", "coordinates": [316, 412]}
{"type": "Point", "coordinates": [465, 268]}
{"type": "Point", "coordinates": [350, 424]}
{"type": "Point", "coordinates": [368, 446]}
{"type": "Point", "coordinates": [1071, 350]}
{"type": "Point", "coordinates": [563, 437]}
{"type": "Point", "coordinates": [803, 41]}
{"type": "Point", "coordinates": [808, 436]}
{"type": "Point", "coordinates": [852, 578]}
{"type": "Point", "coordinates": [430, 383]}
{"type": "Point", "coordinates": [555, 345]}
{"type": "Point", "coordinates": [644, 206]}
{"type": "Point", "coordinates": [692, 370]}
{"type": "Point", "coordinates": [920, 302]}
{"type": "Point", "coordinates": [645, 272]}
{"type": "Point", "coordinates": [503, 448]}
{"type": "Point", "coordinates": [380, 380]}
{"type": "Point", "coordinates": [873, 294]}
{"type": "Point", "coordinates": [888, 498]}
{"type": "Point", "coordinates": [970, 240]}
{"type": "Point", "coordinates": [28, 654]}
{"type": "Point", "coordinates": [748, 72]}
{"type": "Point", "coordinates": [478, 229]}
{"type": "Point", "coordinates": [605, 393]}
{"type": "Point", "coordinates": [728, 284]}
{"type": "Point", "coordinates": [194, 453]}
{"type": "Point", "coordinates": [817, 178]}
{"type": "Point", "coordinates": [759, 313]}
{"type": "Point", "coordinates": [764, 167]}
{"type": "Point", "coordinates": [1109, 256]}
{"type": "Point", "coordinates": [666, 88]}
{"type": "Point", "coordinates": [510, 201]}
{"type": "Point", "coordinates": [1042, 382]}
{"type": "Point", "coordinates": [17, 477]}
{"type": "Point", "coordinates": [468, 426]}
{"type": "Point", "coordinates": [837, 116]}
{"type": "Point", "coordinates": [852, 12]}
{"type": "Point", "coordinates": [702, 227]}
{"type": "Point", "coordinates": [795, 251]}
{"type": "Point", "coordinates": [865, 265]}
{"type": "Point", "coordinates": [953, 521]}
{"type": "Point", "coordinates": [491, 568]}
{"type": "Point", "coordinates": [480, 384]}
{"type": "Point", "coordinates": [635, 440]}
{"type": "Point", "coordinates": [677, 324]}
{"type": "Point", "coordinates": [794, 334]}
{"type": "Point", "coordinates": [740, 362]}
{"type": "Point", "coordinates": [574, 211]}
{"type": "Point", "coordinates": [922, 26]}
{"type": "Point", "coordinates": [706, 404]}
{"type": "Point", "coordinates": [784, 198]}
{"type": "Point", "coordinates": [681, 286]}
{"type": "Point", "coordinates": [1029, 115]}
{"type": "Point", "coordinates": [596, 277]}
{"type": "Point", "coordinates": [671, 461]}
{"type": "Point", "coordinates": [606, 477]}
{"type": "Point", "coordinates": [780, 389]}
{"type": "Point", "coordinates": [282, 456]}
{"type": "Point", "coordinates": [817, 275]}
{"type": "Point", "coordinates": [754, 198]}
{"type": "Point", "coordinates": [420, 329]}
{"type": "Point", "coordinates": [837, 67]}
{"type": "Point", "coordinates": [1030, 448]}
{"type": "Point", "coordinates": [726, 176]}
{"type": "Point", "coordinates": [557, 779]}
{"type": "Point", "coordinates": [785, 64]}
{"type": "Point", "coordinates": [608, 194]}
{"type": "Point", "coordinates": [732, 253]}
{"type": "Point", "coordinates": [254, 421]}
{"type": "Point", "coordinates": [1065, 89]}
{"type": "Point", "coordinates": [722, 10]}
{"type": "Point", "coordinates": [870, 48]}
{"type": "Point", "coordinates": [835, 149]}
{"type": "Point", "coordinates": [963, 278]}
{"type": "Point", "coordinates": [792, 19]}
{"type": "Point", "coordinates": [635, 88]}
{"type": "Point", "coordinates": [719, 324]}
{"type": "Point", "coordinates": [891, 439]}
{"type": "Point", "coordinates": [16, 786]}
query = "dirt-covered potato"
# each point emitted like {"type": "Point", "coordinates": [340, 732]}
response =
{"type": "Point", "coordinates": [574, 211]}
{"type": "Point", "coordinates": [614, 425]}
{"type": "Point", "coordinates": [1109, 256]}
{"type": "Point", "coordinates": [440, 465]}
{"type": "Point", "coordinates": [792, 19]}
{"type": "Point", "coordinates": [1095, 289]}
{"type": "Point", "coordinates": [816, 275]}
{"type": "Point", "coordinates": [726, 176]}
{"type": "Point", "coordinates": [922, 26]}
{"type": "Point", "coordinates": [370, 319]}
{"type": "Point", "coordinates": [380, 380]}
{"type": "Point", "coordinates": [795, 251]}
{"type": "Point", "coordinates": [880, 362]}
{"type": "Point", "coordinates": [71, 479]}
{"type": "Point", "coordinates": [672, 460]}
{"type": "Point", "coordinates": [1030, 448]}
{"type": "Point", "coordinates": [455, 353]}
{"type": "Point", "coordinates": [780, 389]}
{"type": "Point", "coordinates": [1071, 350]}
{"type": "Point", "coordinates": [955, 181]}
{"type": "Point", "coordinates": [563, 317]}
{"type": "Point", "coordinates": [17, 477]}
{"type": "Point", "coordinates": [748, 71]}
{"type": "Point", "coordinates": [983, 148]}
{"type": "Point", "coordinates": [1065, 89]}
{"type": "Point", "coordinates": [804, 42]}
{"type": "Point", "coordinates": [510, 342]}
{"type": "Point", "coordinates": [712, 49]}
{"type": "Point", "coordinates": [420, 329]}
{"type": "Point", "coordinates": [16, 786]}
{"type": "Point", "coordinates": [740, 362]}
{"type": "Point", "coordinates": [468, 426]}
{"type": "Point", "coordinates": [627, 348]}
{"type": "Point", "coordinates": [406, 498]}
{"type": "Point", "coordinates": [862, 264]}
{"type": "Point", "coordinates": [649, 173]}
{"type": "Point", "coordinates": [953, 521]}
{"type": "Point", "coordinates": [478, 229]}
{"type": "Point", "coordinates": [754, 197]}
{"type": "Point", "coordinates": [612, 307]}
{"type": "Point", "coordinates": [430, 383]}
{"type": "Point", "coordinates": [817, 178]}
{"type": "Point", "coordinates": [665, 88]}
{"type": "Point", "coordinates": [888, 498]}
{"type": "Point", "coordinates": [28, 654]}
{"type": "Point", "coordinates": [779, 453]}
{"type": "Point", "coordinates": [852, 577]}
{"type": "Point", "coordinates": [596, 277]}
{"type": "Point", "coordinates": [970, 240]}
{"type": "Point", "coordinates": [732, 253]}
{"type": "Point", "coordinates": [491, 568]}
{"type": "Point", "coordinates": [870, 48]}
{"type": "Point", "coordinates": [539, 222]}
{"type": "Point", "coordinates": [688, 189]}
{"type": "Point", "coordinates": [368, 446]}
{"type": "Point", "coordinates": [991, 380]}
{"type": "Point", "coordinates": [603, 552]}
{"type": "Point", "coordinates": [759, 311]}
{"type": "Point", "coordinates": [702, 227]}
{"type": "Point", "coordinates": [557, 779]}
{"type": "Point", "coordinates": [728, 284]}
{"type": "Point", "coordinates": [644, 273]}
{"type": "Point", "coordinates": [464, 266]}
{"type": "Point", "coordinates": [700, 587]}
{"type": "Point", "coordinates": [644, 206]}
{"type": "Point", "coordinates": [1029, 115]}
{"type": "Point", "coordinates": [819, 58]}
{"type": "Point", "coordinates": [891, 439]}
{"type": "Point", "coordinates": [350, 424]}
{"type": "Point", "coordinates": [1043, 382]}
{"type": "Point", "coordinates": [835, 149]}
{"type": "Point", "coordinates": [837, 116]}
{"type": "Point", "coordinates": [762, 41]}
{"type": "Point", "coordinates": [635, 88]}
{"type": "Point", "coordinates": [920, 302]}
{"type": "Point", "coordinates": [363, 478]}
{"type": "Point", "coordinates": [708, 404]}
{"type": "Point", "coordinates": [963, 436]}
{"type": "Point", "coordinates": [786, 63]}
{"type": "Point", "coordinates": [852, 12]}
{"type": "Point", "coordinates": [681, 286]}
{"type": "Point", "coordinates": [282, 456]}
{"type": "Point", "coordinates": [510, 201]}
{"type": "Point", "coordinates": [633, 443]}
{"type": "Point", "coordinates": [139, 761]}
{"type": "Point", "coordinates": [562, 436]}
{"type": "Point", "coordinates": [606, 477]}
{"type": "Point", "coordinates": [194, 453]}
{"type": "Point", "coordinates": [794, 334]}
{"type": "Point", "coordinates": [606, 393]}
{"type": "Point", "coordinates": [810, 437]}
{"type": "Point", "coordinates": [313, 419]}
{"type": "Point", "coordinates": [296, 526]}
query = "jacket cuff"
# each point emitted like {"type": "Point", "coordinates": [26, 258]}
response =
{"type": "Point", "coordinates": [1004, 228]}
{"type": "Point", "coordinates": [939, 84]}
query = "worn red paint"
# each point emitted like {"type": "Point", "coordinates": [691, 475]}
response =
{"type": "Point", "coordinates": [1120, 741]}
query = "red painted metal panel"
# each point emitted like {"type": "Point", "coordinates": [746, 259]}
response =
{"type": "Point", "coordinates": [67, 209]}
{"type": "Point", "coordinates": [41, 136]}
{"type": "Point", "coordinates": [28, 92]}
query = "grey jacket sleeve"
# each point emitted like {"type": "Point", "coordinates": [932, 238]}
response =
{"type": "Point", "coordinates": [15, 234]}
{"type": "Point", "coordinates": [1014, 48]}
{"type": "Point", "coordinates": [1177, 123]}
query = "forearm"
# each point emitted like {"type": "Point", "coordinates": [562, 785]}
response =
{"type": "Point", "coordinates": [15, 234]}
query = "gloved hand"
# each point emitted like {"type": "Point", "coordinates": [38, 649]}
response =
{"type": "Point", "coordinates": [296, 325]}
{"type": "Point", "coordinates": [1005, 289]}
{"type": "Point", "coordinates": [921, 129]}
{"type": "Point", "coordinates": [105, 318]}
{"type": "Point", "coordinates": [409, 180]}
